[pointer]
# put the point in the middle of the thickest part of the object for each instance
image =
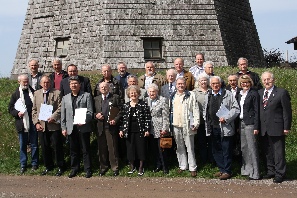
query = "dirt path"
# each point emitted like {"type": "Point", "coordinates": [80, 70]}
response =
{"type": "Point", "coordinates": [50, 186]}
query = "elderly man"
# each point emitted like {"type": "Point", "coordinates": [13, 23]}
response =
{"type": "Point", "coordinates": [115, 85]}
{"type": "Point", "coordinates": [85, 85]}
{"type": "Point", "coordinates": [77, 105]}
{"type": "Point", "coordinates": [123, 74]}
{"type": "Point", "coordinates": [108, 115]}
{"type": "Point", "coordinates": [185, 121]}
{"type": "Point", "coordinates": [58, 75]}
{"type": "Point", "coordinates": [150, 77]}
{"type": "Point", "coordinates": [220, 111]}
{"type": "Point", "coordinates": [168, 89]}
{"type": "Point", "coordinates": [49, 129]}
{"type": "Point", "coordinates": [34, 75]}
{"type": "Point", "coordinates": [209, 70]}
{"type": "Point", "coordinates": [232, 85]}
{"type": "Point", "coordinates": [276, 120]}
{"type": "Point", "coordinates": [181, 72]}
{"type": "Point", "coordinates": [198, 69]}
{"type": "Point", "coordinates": [20, 107]}
{"type": "Point", "coordinates": [243, 69]}
{"type": "Point", "coordinates": [133, 80]}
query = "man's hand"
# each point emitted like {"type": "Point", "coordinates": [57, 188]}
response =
{"type": "Point", "coordinates": [99, 116]}
{"type": "Point", "coordinates": [51, 120]}
{"type": "Point", "coordinates": [21, 114]}
{"type": "Point", "coordinates": [222, 120]}
{"type": "Point", "coordinates": [112, 122]}
{"type": "Point", "coordinates": [286, 132]}
{"type": "Point", "coordinates": [64, 132]}
{"type": "Point", "coordinates": [39, 127]}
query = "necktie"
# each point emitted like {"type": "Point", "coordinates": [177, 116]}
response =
{"type": "Point", "coordinates": [44, 98]}
{"type": "Point", "coordinates": [104, 97]}
{"type": "Point", "coordinates": [170, 88]}
{"type": "Point", "coordinates": [265, 99]}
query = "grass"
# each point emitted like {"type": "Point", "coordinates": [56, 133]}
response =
{"type": "Point", "coordinates": [9, 146]}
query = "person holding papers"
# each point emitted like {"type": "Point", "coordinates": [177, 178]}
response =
{"type": "Point", "coordinates": [46, 115]}
{"type": "Point", "coordinates": [219, 112]}
{"type": "Point", "coordinates": [20, 107]}
{"type": "Point", "coordinates": [76, 115]}
{"type": "Point", "coordinates": [108, 115]}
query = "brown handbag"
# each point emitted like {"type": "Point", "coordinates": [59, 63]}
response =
{"type": "Point", "coordinates": [166, 142]}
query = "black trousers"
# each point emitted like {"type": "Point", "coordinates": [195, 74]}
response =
{"type": "Point", "coordinates": [160, 155]}
{"type": "Point", "coordinates": [274, 150]}
{"type": "Point", "coordinates": [52, 142]}
{"type": "Point", "coordinates": [80, 141]}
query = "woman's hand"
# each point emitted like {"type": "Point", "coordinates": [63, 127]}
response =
{"type": "Point", "coordinates": [121, 133]}
{"type": "Point", "coordinates": [146, 134]}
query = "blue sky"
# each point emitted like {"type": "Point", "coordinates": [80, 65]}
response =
{"type": "Point", "coordinates": [274, 20]}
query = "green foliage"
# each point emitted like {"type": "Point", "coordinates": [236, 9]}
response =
{"type": "Point", "coordinates": [9, 147]}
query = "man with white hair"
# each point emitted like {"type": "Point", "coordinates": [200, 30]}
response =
{"type": "Point", "coordinates": [220, 111]}
{"type": "Point", "coordinates": [150, 77]}
{"type": "Point", "coordinates": [168, 89]}
{"type": "Point", "coordinates": [58, 75]}
{"type": "Point", "coordinates": [20, 107]}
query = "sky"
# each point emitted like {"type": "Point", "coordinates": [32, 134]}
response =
{"type": "Point", "coordinates": [274, 20]}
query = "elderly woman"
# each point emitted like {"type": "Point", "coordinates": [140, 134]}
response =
{"type": "Point", "coordinates": [160, 126]}
{"type": "Point", "coordinates": [203, 141]}
{"type": "Point", "coordinates": [249, 127]}
{"type": "Point", "coordinates": [135, 127]}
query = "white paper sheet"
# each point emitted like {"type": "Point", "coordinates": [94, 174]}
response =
{"type": "Point", "coordinates": [80, 116]}
{"type": "Point", "coordinates": [222, 112]}
{"type": "Point", "coordinates": [20, 106]}
{"type": "Point", "coordinates": [46, 112]}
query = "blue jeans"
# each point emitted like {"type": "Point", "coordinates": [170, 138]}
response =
{"type": "Point", "coordinates": [222, 149]}
{"type": "Point", "coordinates": [23, 139]}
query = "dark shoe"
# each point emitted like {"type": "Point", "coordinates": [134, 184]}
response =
{"type": "Point", "coordinates": [156, 170]}
{"type": "Point", "coordinates": [88, 174]}
{"type": "Point", "coordinates": [34, 168]}
{"type": "Point", "coordinates": [23, 170]}
{"type": "Point", "coordinates": [166, 171]}
{"type": "Point", "coordinates": [268, 176]}
{"type": "Point", "coordinates": [72, 174]}
{"type": "Point", "coordinates": [218, 174]}
{"type": "Point", "coordinates": [193, 173]}
{"type": "Point", "coordinates": [60, 172]}
{"type": "Point", "coordinates": [179, 171]}
{"type": "Point", "coordinates": [46, 171]}
{"type": "Point", "coordinates": [225, 176]}
{"type": "Point", "coordinates": [116, 173]}
{"type": "Point", "coordinates": [131, 171]}
{"type": "Point", "coordinates": [102, 172]}
{"type": "Point", "coordinates": [278, 180]}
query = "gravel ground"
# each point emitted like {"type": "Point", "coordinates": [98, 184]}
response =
{"type": "Point", "coordinates": [50, 186]}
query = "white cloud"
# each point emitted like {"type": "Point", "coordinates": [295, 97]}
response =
{"type": "Point", "coordinates": [13, 8]}
{"type": "Point", "coordinates": [273, 5]}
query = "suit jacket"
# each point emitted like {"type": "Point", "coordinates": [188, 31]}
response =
{"type": "Point", "coordinates": [165, 91]}
{"type": "Point", "coordinates": [114, 101]}
{"type": "Point", "coordinates": [84, 100]}
{"type": "Point", "coordinates": [277, 115]}
{"type": "Point", "coordinates": [54, 99]}
{"type": "Point", "coordinates": [52, 77]}
{"type": "Point", "coordinates": [115, 88]}
{"type": "Point", "coordinates": [190, 80]}
{"type": "Point", "coordinates": [85, 85]}
{"type": "Point", "coordinates": [251, 109]}
{"type": "Point", "coordinates": [158, 80]}
{"type": "Point", "coordinates": [39, 75]}
{"type": "Point", "coordinates": [143, 118]}
{"type": "Point", "coordinates": [19, 125]}
{"type": "Point", "coordinates": [159, 114]}
{"type": "Point", "coordinates": [123, 80]}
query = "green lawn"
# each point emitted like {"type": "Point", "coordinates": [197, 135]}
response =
{"type": "Point", "coordinates": [9, 147]}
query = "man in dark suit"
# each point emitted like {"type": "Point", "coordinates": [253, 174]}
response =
{"type": "Point", "coordinates": [34, 75]}
{"type": "Point", "coordinates": [58, 75]}
{"type": "Point", "coordinates": [275, 119]}
{"type": "Point", "coordinates": [79, 133]}
{"type": "Point", "coordinates": [243, 69]}
{"type": "Point", "coordinates": [23, 122]}
{"type": "Point", "coordinates": [49, 131]}
{"type": "Point", "coordinates": [85, 85]}
{"type": "Point", "coordinates": [168, 89]}
{"type": "Point", "coordinates": [107, 136]}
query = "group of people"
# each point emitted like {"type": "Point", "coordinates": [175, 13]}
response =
{"type": "Point", "coordinates": [134, 113]}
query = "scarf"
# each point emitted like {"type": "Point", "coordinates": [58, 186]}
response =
{"type": "Point", "coordinates": [26, 116]}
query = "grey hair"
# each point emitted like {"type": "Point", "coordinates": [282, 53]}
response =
{"type": "Point", "coordinates": [171, 70]}
{"type": "Point", "coordinates": [57, 59]}
{"type": "Point", "coordinates": [22, 76]}
{"type": "Point", "coordinates": [203, 75]}
{"type": "Point", "coordinates": [136, 87]}
{"type": "Point", "coordinates": [153, 86]}
{"type": "Point", "coordinates": [132, 76]}
{"type": "Point", "coordinates": [98, 87]}
{"type": "Point", "coordinates": [242, 58]}
{"type": "Point", "coordinates": [208, 63]}
{"type": "Point", "coordinates": [106, 65]}
{"type": "Point", "coordinates": [33, 60]}
{"type": "Point", "coordinates": [233, 75]}
{"type": "Point", "coordinates": [215, 77]}
{"type": "Point", "coordinates": [150, 63]}
{"type": "Point", "coordinates": [73, 78]}
{"type": "Point", "coordinates": [122, 63]}
{"type": "Point", "coordinates": [181, 78]}
{"type": "Point", "coordinates": [268, 72]}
